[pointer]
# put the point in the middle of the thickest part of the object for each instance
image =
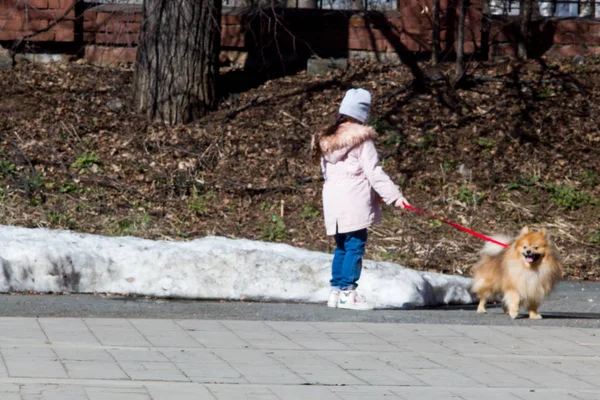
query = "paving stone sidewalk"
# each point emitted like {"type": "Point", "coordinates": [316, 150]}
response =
{"type": "Point", "coordinates": [64, 359]}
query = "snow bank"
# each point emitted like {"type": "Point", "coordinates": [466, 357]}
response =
{"type": "Point", "coordinates": [43, 260]}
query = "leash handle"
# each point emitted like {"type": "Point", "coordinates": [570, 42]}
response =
{"type": "Point", "coordinates": [462, 228]}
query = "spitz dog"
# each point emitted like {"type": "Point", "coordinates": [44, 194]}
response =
{"type": "Point", "coordinates": [524, 273]}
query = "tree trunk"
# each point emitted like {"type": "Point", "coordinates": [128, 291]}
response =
{"type": "Point", "coordinates": [435, 40]}
{"type": "Point", "coordinates": [484, 48]}
{"type": "Point", "coordinates": [526, 9]}
{"type": "Point", "coordinates": [178, 59]}
{"type": "Point", "coordinates": [460, 51]}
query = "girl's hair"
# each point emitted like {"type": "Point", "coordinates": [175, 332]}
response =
{"type": "Point", "coordinates": [328, 131]}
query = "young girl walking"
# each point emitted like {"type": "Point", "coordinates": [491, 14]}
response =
{"type": "Point", "coordinates": [354, 181]}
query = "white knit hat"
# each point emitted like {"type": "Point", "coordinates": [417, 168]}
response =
{"type": "Point", "coordinates": [356, 104]}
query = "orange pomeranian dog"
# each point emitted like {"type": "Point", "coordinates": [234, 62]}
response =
{"type": "Point", "coordinates": [524, 273]}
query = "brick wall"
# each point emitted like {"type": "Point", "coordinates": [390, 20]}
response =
{"type": "Point", "coordinates": [22, 17]}
{"type": "Point", "coordinates": [109, 33]}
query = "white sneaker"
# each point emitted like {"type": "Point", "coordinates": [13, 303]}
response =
{"type": "Point", "coordinates": [334, 297]}
{"type": "Point", "coordinates": [352, 300]}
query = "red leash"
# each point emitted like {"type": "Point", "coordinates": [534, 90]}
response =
{"type": "Point", "coordinates": [462, 228]}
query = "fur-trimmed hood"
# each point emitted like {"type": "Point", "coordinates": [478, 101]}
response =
{"type": "Point", "coordinates": [348, 136]}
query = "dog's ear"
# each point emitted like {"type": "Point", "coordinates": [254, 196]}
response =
{"type": "Point", "coordinates": [524, 231]}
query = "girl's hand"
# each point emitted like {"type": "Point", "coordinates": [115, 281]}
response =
{"type": "Point", "coordinates": [401, 203]}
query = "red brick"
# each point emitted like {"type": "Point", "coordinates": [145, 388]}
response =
{"type": "Point", "coordinates": [228, 19]}
{"type": "Point", "coordinates": [412, 44]}
{"type": "Point", "coordinates": [47, 36]}
{"type": "Point", "coordinates": [41, 4]}
{"type": "Point", "coordinates": [502, 50]}
{"type": "Point", "coordinates": [90, 26]}
{"type": "Point", "coordinates": [110, 55]}
{"type": "Point", "coordinates": [119, 27]}
{"type": "Point", "coordinates": [568, 38]}
{"type": "Point", "coordinates": [65, 25]}
{"type": "Point", "coordinates": [59, 3]}
{"type": "Point", "coordinates": [89, 15]}
{"type": "Point", "coordinates": [132, 17]}
{"type": "Point", "coordinates": [364, 43]}
{"type": "Point", "coordinates": [10, 35]}
{"type": "Point", "coordinates": [469, 47]}
{"type": "Point", "coordinates": [591, 39]}
{"type": "Point", "coordinates": [356, 21]}
{"type": "Point", "coordinates": [594, 28]}
{"type": "Point", "coordinates": [63, 35]}
{"type": "Point", "coordinates": [233, 36]}
{"type": "Point", "coordinates": [359, 33]}
{"type": "Point", "coordinates": [89, 37]}
{"type": "Point", "coordinates": [103, 18]}
{"type": "Point", "coordinates": [571, 26]}
{"type": "Point", "coordinates": [116, 38]}
{"type": "Point", "coordinates": [594, 49]}
{"type": "Point", "coordinates": [51, 15]}
{"type": "Point", "coordinates": [567, 51]}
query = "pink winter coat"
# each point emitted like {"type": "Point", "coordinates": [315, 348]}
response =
{"type": "Point", "coordinates": [354, 180]}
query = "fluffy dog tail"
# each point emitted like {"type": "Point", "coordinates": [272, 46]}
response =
{"type": "Point", "coordinates": [491, 249]}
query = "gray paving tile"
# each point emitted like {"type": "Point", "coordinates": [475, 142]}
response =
{"type": "Point", "coordinates": [21, 332]}
{"type": "Point", "coordinates": [116, 332]}
{"type": "Point", "coordinates": [52, 392]}
{"type": "Point", "coordinates": [487, 374]}
{"type": "Point", "coordinates": [82, 354]}
{"type": "Point", "coordinates": [94, 370]}
{"type": "Point", "coordinates": [426, 393]}
{"type": "Point", "coordinates": [164, 333]}
{"type": "Point", "coordinates": [288, 392]}
{"type": "Point", "coordinates": [542, 375]}
{"type": "Point", "coordinates": [152, 371]}
{"type": "Point", "coordinates": [137, 354]}
{"type": "Point", "coordinates": [315, 369]}
{"type": "Point", "coordinates": [258, 368]}
{"type": "Point", "coordinates": [71, 331]}
{"type": "Point", "coordinates": [35, 362]}
{"type": "Point", "coordinates": [363, 341]}
{"type": "Point", "coordinates": [178, 391]}
{"type": "Point", "coordinates": [363, 393]}
{"type": "Point", "coordinates": [443, 377]}
{"type": "Point", "coordinates": [117, 393]}
{"type": "Point", "coordinates": [202, 365]}
{"type": "Point", "coordinates": [241, 392]}
{"type": "Point", "coordinates": [9, 391]}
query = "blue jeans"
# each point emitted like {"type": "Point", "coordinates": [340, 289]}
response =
{"type": "Point", "coordinates": [347, 259]}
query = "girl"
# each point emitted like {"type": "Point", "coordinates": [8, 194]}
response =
{"type": "Point", "coordinates": [353, 179]}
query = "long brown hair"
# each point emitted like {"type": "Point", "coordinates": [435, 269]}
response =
{"type": "Point", "coordinates": [328, 130]}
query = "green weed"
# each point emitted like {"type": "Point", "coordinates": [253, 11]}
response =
{"type": "Point", "coordinates": [380, 125]}
{"type": "Point", "coordinates": [567, 197]}
{"type": "Point", "coordinates": [524, 182]}
{"type": "Point", "coordinates": [86, 161]}
{"type": "Point", "coordinates": [131, 225]}
{"type": "Point", "coordinates": [595, 237]}
{"type": "Point", "coordinates": [274, 229]}
{"type": "Point", "coordinates": [309, 211]}
{"type": "Point", "coordinates": [6, 168]}
{"type": "Point", "coordinates": [69, 188]}
{"type": "Point", "coordinates": [486, 143]}
{"type": "Point", "coordinates": [468, 196]}
{"type": "Point", "coordinates": [199, 203]}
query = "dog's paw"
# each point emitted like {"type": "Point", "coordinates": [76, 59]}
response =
{"type": "Point", "coordinates": [534, 315]}
{"type": "Point", "coordinates": [481, 310]}
{"type": "Point", "coordinates": [513, 315]}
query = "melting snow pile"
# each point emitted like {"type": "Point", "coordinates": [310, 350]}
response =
{"type": "Point", "coordinates": [43, 260]}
